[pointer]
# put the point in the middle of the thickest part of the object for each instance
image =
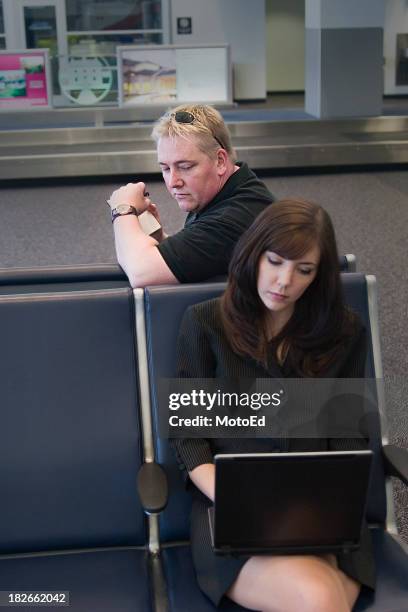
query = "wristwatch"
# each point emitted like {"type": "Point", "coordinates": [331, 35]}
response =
{"type": "Point", "coordinates": [123, 209]}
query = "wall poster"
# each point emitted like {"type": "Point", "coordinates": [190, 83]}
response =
{"type": "Point", "coordinates": [24, 79]}
{"type": "Point", "coordinates": [164, 75]}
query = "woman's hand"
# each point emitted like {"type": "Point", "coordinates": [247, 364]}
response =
{"type": "Point", "coordinates": [203, 476]}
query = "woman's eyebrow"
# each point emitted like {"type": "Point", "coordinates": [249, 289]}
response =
{"type": "Point", "coordinates": [298, 261]}
{"type": "Point", "coordinates": [309, 263]}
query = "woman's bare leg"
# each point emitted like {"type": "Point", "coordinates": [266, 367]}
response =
{"type": "Point", "coordinates": [350, 586]}
{"type": "Point", "coordinates": [294, 583]}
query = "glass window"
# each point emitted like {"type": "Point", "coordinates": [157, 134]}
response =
{"type": "Point", "coordinates": [2, 42]}
{"type": "Point", "coordinates": [105, 44]}
{"type": "Point", "coordinates": [1, 18]}
{"type": "Point", "coordinates": [96, 15]}
{"type": "Point", "coordinates": [41, 28]}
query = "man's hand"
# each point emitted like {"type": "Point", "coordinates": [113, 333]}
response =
{"type": "Point", "coordinates": [136, 252]}
{"type": "Point", "coordinates": [132, 194]}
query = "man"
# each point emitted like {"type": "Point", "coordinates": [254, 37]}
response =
{"type": "Point", "coordinates": [221, 196]}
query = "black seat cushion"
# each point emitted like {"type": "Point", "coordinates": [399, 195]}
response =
{"type": "Point", "coordinates": [101, 581]}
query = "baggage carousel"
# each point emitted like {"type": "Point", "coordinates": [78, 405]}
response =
{"type": "Point", "coordinates": [95, 144]}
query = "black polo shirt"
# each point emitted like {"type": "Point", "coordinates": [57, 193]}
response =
{"type": "Point", "coordinates": [203, 248]}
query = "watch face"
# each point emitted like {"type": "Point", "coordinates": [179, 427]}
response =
{"type": "Point", "coordinates": [124, 209]}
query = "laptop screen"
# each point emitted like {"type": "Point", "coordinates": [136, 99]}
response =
{"type": "Point", "coordinates": [290, 500]}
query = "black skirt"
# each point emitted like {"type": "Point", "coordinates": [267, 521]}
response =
{"type": "Point", "coordinates": [217, 573]}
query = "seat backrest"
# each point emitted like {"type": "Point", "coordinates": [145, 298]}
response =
{"type": "Point", "coordinates": [69, 425]}
{"type": "Point", "coordinates": [164, 308]}
{"type": "Point", "coordinates": [61, 274]}
{"type": "Point", "coordinates": [360, 294]}
{"type": "Point", "coordinates": [348, 263]}
{"type": "Point", "coordinates": [61, 278]}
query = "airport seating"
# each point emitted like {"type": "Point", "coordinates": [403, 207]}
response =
{"type": "Point", "coordinates": [63, 278]}
{"type": "Point", "coordinates": [104, 275]}
{"type": "Point", "coordinates": [70, 440]}
{"type": "Point", "coordinates": [164, 307]}
{"type": "Point", "coordinates": [71, 448]}
{"type": "Point", "coordinates": [348, 263]}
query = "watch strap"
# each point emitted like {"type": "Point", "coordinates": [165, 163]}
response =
{"type": "Point", "coordinates": [122, 210]}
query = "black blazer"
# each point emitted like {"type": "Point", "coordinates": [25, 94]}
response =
{"type": "Point", "coordinates": [204, 352]}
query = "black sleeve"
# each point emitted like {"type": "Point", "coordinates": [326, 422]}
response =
{"type": "Point", "coordinates": [195, 360]}
{"type": "Point", "coordinates": [203, 249]}
{"type": "Point", "coordinates": [350, 410]}
{"type": "Point", "coordinates": [354, 362]}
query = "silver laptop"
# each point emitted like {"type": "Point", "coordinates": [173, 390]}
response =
{"type": "Point", "coordinates": [283, 503]}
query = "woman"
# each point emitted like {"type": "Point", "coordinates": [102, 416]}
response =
{"type": "Point", "coordinates": [282, 315]}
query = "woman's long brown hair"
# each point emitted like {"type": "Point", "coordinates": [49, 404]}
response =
{"type": "Point", "coordinates": [315, 333]}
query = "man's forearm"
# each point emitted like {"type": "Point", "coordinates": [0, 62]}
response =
{"type": "Point", "coordinates": [137, 254]}
{"type": "Point", "coordinates": [132, 248]}
{"type": "Point", "coordinates": [130, 240]}
{"type": "Point", "coordinates": [136, 251]}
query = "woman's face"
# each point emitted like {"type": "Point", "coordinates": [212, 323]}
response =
{"type": "Point", "coordinates": [281, 282]}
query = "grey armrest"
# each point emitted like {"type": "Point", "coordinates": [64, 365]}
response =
{"type": "Point", "coordinates": [152, 487]}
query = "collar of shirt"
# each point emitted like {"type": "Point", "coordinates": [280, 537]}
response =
{"type": "Point", "coordinates": [228, 189]}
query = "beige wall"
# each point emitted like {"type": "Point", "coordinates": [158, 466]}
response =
{"type": "Point", "coordinates": [239, 23]}
{"type": "Point", "coordinates": [285, 41]}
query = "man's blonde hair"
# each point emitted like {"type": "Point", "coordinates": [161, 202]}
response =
{"type": "Point", "coordinates": [207, 128]}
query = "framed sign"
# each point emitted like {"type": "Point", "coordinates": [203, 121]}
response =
{"type": "Point", "coordinates": [184, 25]}
{"type": "Point", "coordinates": [85, 80]}
{"type": "Point", "coordinates": [173, 74]}
{"type": "Point", "coordinates": [396, 47]}
{"type": "Point", "coordinates": [24, 79]}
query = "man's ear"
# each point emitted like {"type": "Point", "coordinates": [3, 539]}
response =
{"type": "Point", "coordinates": [222, 161]}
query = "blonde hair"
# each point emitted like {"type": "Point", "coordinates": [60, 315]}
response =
{"type": "Point", "coordinates": [208, 129]}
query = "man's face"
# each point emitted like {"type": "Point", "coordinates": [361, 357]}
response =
{"type": "Point", "coordinates": [191, 177]}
